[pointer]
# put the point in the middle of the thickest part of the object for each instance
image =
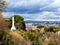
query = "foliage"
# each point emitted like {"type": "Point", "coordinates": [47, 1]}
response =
{"type": "Point", "coordinates": [37, 38]}
{"type": "Point", "coordinates": [5, 38]}
{"type": "Point", "coordinates": [52, 28]}
{"type": "Point", "coordinates": [3, 25]}
{"type": "Point", "coordinates": [33, 36]}
{"type": "Point", "coordinates": [9, 38]}
{"type": "Point", "coordinates": [40, 26]}
{"type": "Point", "coordinates": [19, 22]}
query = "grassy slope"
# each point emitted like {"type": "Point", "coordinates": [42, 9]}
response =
{"type": "Point", "coordinates": [19, 40]}
{"type": "Point", "coordinates": [12, 38]}
{"type": "Point", "coordinates": [32, 37]}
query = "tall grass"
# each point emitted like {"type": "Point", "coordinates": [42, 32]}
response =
{"type": "Point", "coordinates": [32, 37]}
{"type": "Point", "coordinates": [38, 38]}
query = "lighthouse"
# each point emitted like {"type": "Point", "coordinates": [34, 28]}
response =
{"type": "Point", "coordinates": [13, 26]}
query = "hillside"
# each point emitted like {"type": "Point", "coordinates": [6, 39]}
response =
{"type": "Point", "coordinates": [19, 40]}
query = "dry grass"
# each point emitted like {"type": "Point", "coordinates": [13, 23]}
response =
{"type": "Point", "coordinates": [19, 40]}
{"type": "Point", "coordinates": [50, 38]}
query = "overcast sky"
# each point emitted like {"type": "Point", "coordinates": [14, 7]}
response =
{"type": "Point", "coordinates": [37, 10]}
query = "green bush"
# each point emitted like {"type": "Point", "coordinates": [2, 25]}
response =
{"type": "Point", "coordinates": [52, 29]}
{"type": "Point", "coordinates": [32, 35]}
{"type": "Point", "coordinates": [40, 26]}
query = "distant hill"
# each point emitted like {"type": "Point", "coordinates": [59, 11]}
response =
{"type": "Point", "coordinates": [43, 22]}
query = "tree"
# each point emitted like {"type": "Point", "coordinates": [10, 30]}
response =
{"type": "Point", "coordinates": [19, 22]}
{"type": "Point", "coordinates": [2, 22]}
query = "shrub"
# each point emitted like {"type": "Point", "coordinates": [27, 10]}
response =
{"type": "Point", "coordinates": [40, 26]}
{"type": "Point", "coordinates": [32, 35]}
{"type": "Point", "coordinates": [52, 29]}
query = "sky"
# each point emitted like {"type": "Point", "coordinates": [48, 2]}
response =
{"type": "Point", "coordinates": [34, 10]}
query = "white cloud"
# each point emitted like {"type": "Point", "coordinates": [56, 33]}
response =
{"type": "Point", "coordinates": [28, 3]}
{"type": "Point", "coordinates": [54, 4]}
{"type": "Point", "coordinates": [25, 3]}
{"type": "Point", "coordinates": [58, 9]}
{"type": "Point", "coordinates": [7, 14]}
{"type": "Point", "coordinates": [37, 17]}
{"type": "Point", "coordinates": [45, 15]}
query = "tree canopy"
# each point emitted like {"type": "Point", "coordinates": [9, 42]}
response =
{"type": "Point", "coordinates": [19, 22]}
